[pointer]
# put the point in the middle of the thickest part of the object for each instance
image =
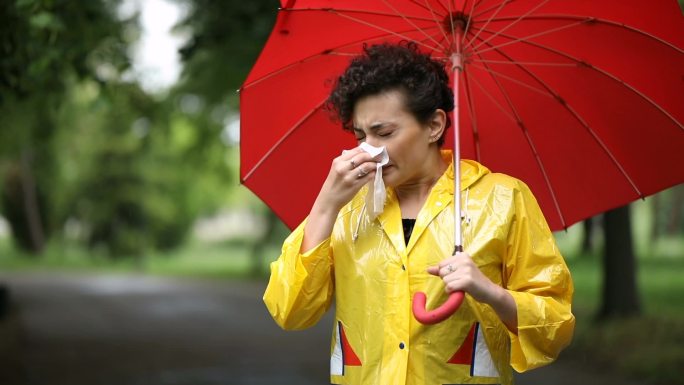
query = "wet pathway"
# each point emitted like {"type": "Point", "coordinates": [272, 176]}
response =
{"type": "Point", "coordinates": [78, 329]}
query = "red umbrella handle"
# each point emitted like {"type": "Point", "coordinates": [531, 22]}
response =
{"type": "Point", "coordinates": [431, 317]}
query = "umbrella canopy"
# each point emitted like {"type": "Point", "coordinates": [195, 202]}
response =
{"type": "Point", "coordinates": [582, 100]}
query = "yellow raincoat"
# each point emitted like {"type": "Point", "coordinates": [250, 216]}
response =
{"type": "Point", "coordinates": [374, 274]}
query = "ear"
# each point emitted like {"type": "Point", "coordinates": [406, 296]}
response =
{"type": "Point", "coordinates": [437, 124]}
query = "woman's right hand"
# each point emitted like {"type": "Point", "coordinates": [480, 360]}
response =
{"type": "Point", "coordinates": [348, 173]}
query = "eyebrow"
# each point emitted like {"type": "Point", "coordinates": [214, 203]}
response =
{"type": "Point", "coordinates": [373, 127]}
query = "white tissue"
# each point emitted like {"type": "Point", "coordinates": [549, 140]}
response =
{"type": "Point", "coordinates": [375, 200]}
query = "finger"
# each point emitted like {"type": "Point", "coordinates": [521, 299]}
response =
{"type": "Point", "coordinates": [362, 173]}
{"type": "Point", "coordinates": [446, 270]}
{"type": "Point", "coordinates": [461, 254]}
{"type": "Point", "coordinates": [357, 176]}
{"type": "Point", "coordinates": [348, 154]}
{"type": "Point", "coordinates": [346, 162]}
{"type": "Point", "coordinates": [452, 285]}
{"type": "Point", "coordinates": [446, 262]}
{"type": "Point", "coordinates": [363, 159]}
{"type": "Point", "coordinates": [356, 163]}
{"type": "Point", "coordinates": [434, 270]}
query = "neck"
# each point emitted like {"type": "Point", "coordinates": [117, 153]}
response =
{"type": "Point", "coordinates": [412, 195]}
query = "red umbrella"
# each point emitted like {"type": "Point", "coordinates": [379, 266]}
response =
{"type": "Point", "coordinates": [583, 100]}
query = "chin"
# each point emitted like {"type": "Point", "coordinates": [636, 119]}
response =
{"type": "Point", "coordinates": [389, 177]}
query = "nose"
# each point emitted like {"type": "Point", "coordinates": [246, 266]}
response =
{"type": "Point", "coordinates": [373, 141]}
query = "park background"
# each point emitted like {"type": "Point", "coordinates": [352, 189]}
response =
{"type": "Point", "coordinates": [119, 134]}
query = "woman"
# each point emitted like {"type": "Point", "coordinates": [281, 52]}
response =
{"type": "Point", "coordinates": [517, 309]}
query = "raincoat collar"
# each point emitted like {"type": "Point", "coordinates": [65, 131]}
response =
{"type": "Point", "coordinates": [471, 172]}
{"type": "Point", "coordinates": [440, 197]}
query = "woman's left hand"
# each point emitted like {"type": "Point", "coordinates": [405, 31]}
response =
{"type": "Point", "coordinates": [459, 272]}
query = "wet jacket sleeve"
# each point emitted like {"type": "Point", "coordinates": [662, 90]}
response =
{"type": "Point", "coordinates": [540, 283]}
{"type": "Point", "coordinates": [300, 289]}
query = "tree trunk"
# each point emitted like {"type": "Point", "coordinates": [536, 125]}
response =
{"type": "Point", "coordinates": [259, 246]}
{"type": "Point", "coordinates": [620, 294]}
{"type": "Point", "coordinates": [23, 205]}
{"type": "Point", "coordinates": [655, 227]}
{"type": "Point", "coordinates": [588, 237]}
{"type": "Point", "coordinates": [28, 184]}
{"type": "Point", "coordinates": [675, 217]}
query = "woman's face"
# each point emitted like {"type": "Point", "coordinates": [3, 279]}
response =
{"type": "Point", "coordinates": [384, 120]}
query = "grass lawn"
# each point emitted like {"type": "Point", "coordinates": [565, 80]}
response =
{"type": "Point", "coordinates": [647, 347]}
{"type": "Point", "coordinates": [228, 260]}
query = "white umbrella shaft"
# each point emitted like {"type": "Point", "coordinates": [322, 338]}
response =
{"type": "Point", "coordinates": [457, 67]}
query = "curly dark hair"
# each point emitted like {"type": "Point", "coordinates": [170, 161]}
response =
{"type": "Point", "coordinates": [385, 67]}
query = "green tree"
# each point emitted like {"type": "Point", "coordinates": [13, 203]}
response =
{"type": "Point", "coordinates": [620, 297]}
{"type": "Point", "coordinates": [45, 46]}
{"type": "Point", "coordinates": [111, 196]}
{"type": "Point", "coordinates": [225, 40]}
{"type": "Point", "coordinates": [135, 176]}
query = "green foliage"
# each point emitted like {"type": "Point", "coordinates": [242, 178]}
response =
{"type": "Point", "coordinates": [44, 41]}
{"type": "Point", "coordinates": [226, 37]}
{"type": "Point", "coordinates": [46, 46]}
{"type": "Point", "coordinates": [127, 170]}
{"type": "Point", "coordinates": [109, 188]}
{"type": "Point", "coordinates": [225, 40]}
{"type": "Point", "coordinates": [137, 173]}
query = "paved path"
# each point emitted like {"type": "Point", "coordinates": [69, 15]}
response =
{"type": "Point", "coordinates": [77, 329]}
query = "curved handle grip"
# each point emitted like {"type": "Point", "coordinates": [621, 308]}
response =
{"type": "Point", "coordinates": [431, 317]}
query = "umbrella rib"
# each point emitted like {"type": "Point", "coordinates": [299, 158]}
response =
{"type": "Point", "coordinates": [504, 2]}
{"type": "Point", "coordinates": [496, 102]}
{"type": "Point", "coordinates": [468, 23]}
{"type": "Point", "coordinates": [349, 10]}
{"type": "Point", "coordinates": [589, 20]}
{"type": "Point", "coordinates": [491, 71]}
{"type": "Point", "coordinates": [473, 117]}
{"type": "Point", "coordinates": [428, 7]}
{"type": "Point", "coordinates": [529, 63]}
{"type": "Point", "coordinates": [434, 18]}
{"type": "Point", "coordinates": [388, 31]}
{"type": "Point", "coordinates": [526, 38]}
{"type": "Point", "coordinates": [514, 22]}
{"type": "Point", "coordinates": [411, 23]}
{"type": "Point", "coordinates": [530, 143]}
{"type": "Point", "coordinates": [501, 5]}
{"type": "Point", "coordinates": [349, 54]}
{"type": "Point", "coordinates": [582, 122]}
{"type": "Point", "coordinates": [599, 70]}
{"type": "Point", "coordinates": [282, 139]}
{"type": "Point", "coordinates": [451, 22]}
{"type": "Point", "coordinates": [639, 93]}
{"type": "Point", "coordinates": [329, 51]}
{"type": "Point", "coordinates": [443, 58]}
{"type": "Point", "coordinates": [474, 5]}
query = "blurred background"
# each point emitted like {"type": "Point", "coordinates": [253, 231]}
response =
{"type": "Point", "coordinates": [130, 253]}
